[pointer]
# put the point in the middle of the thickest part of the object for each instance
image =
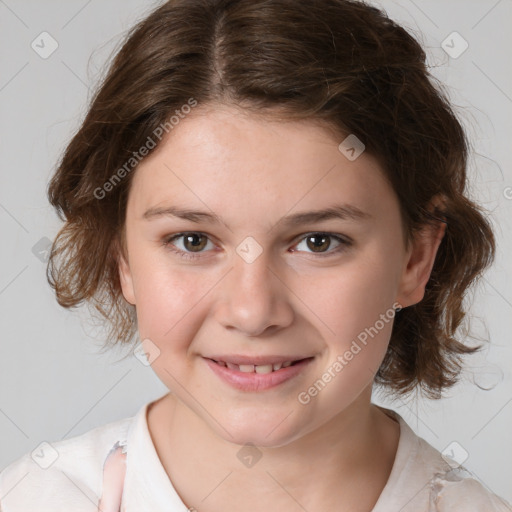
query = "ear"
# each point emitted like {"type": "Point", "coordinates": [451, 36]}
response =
{"type": "Point", "coordinates": [125, 275]}
{"type": "Point", "coordinates": [420, 258]}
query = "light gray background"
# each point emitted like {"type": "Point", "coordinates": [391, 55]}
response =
{"type": "Point", "coordinates": [54, 384]}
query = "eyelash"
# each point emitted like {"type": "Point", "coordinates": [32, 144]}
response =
{"type": "Point", "coordinates": [167, 242]}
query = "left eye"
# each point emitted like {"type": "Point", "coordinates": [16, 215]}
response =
{"type": "Point", "coordinates": [320, 242]}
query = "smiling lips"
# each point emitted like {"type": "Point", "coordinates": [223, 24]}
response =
{"type": "Point", "coordinates": [256, 364]}
{"type": "Point", "coordinates": [256, 373]}
{"type": "Point", "coordinates": [256, 368]}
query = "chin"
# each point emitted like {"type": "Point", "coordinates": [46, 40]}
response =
{"type": "Point", "coordinates": [263, 430]}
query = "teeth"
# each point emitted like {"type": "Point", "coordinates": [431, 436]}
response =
{"type": "Point", "coordinates": [264, 368]}
{"type": "Point", "coordinates": [251, 368]}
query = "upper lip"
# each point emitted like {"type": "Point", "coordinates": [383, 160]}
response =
{"type": "Point", "coordinates": [256, 360]}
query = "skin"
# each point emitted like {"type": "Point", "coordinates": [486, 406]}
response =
{"type": "Point", "coordinates": [336, 452]}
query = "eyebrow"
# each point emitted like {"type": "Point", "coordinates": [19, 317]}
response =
{"type": "Point", "coordinates": [341, 212]}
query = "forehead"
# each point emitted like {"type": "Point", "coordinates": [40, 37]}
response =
{"type": "Point", "coordinates": [227, 159]}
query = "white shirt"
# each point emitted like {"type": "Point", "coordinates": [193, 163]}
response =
{"type": "Point", "coordinates": [80, 469]}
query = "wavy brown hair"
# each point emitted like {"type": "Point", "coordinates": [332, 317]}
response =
{"type": "Point", "coordinates": [342, 63]}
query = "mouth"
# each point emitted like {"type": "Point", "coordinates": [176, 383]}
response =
{"type": "Point", "coordinates": [246, 376]}
{"type": "Point", "coordinates": [259, 368]}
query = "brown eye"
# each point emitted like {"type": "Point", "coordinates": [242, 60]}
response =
{"type": "Point", "coordinates": [189, 245]}
{"type": "Point", "coordinates": [322, 244]}
{"type": "Point", "coordinates": [194, 242]}
{"type": "Point", "coordinates": [318, 242]}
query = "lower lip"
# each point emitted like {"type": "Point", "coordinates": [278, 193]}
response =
{"type": "Point", "coordinates": [257, 381]}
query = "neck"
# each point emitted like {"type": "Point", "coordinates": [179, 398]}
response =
{"type": "Point", "coordinates": [344, 463]}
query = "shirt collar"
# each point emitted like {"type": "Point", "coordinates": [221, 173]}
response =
{"type": "Point", "coordinates": [147, 486]}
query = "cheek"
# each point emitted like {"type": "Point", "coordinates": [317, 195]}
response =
{"type": "Point", "coordinates": [168, 303]}
{"type": "Point", "coordinates": [357, 314]}
{"type": "Point", "coordinates": [349, 300]}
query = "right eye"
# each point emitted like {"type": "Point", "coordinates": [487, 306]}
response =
{"type": "Point", "coordinates": [192, 244]}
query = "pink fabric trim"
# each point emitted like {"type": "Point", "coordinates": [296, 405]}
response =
{"type": "Point", "coordinates": [114, 470]}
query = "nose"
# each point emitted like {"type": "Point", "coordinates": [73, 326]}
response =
{"type": "Point", "coordinates": [254, 298]}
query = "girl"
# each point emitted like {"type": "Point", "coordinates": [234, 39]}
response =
{"type": "Point", "coordinates": [272, 195]}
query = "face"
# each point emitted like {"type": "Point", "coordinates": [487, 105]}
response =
{"type": "Point", "coordinates": [256, 277]}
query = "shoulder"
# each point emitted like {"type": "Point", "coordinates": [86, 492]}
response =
{"type": "Point", "coordinates": [422, 479]}
{"type": "Point", "coordinates": [70, 469]}
{"type": "Point", "coordinates": [451, 487]}
{"type": "Point", "coordinates": [456, 490]}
